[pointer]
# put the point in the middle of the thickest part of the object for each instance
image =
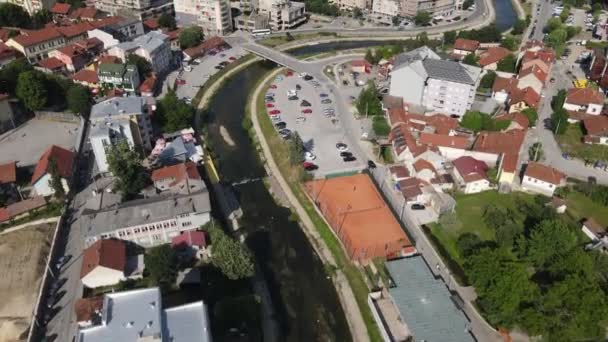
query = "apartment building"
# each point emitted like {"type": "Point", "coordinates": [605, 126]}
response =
{"type": "Point", "coordinates": [214, 17]}
{"type": "Point", "coordinates": [36, 45]}
{"type": "Point", "coordinates": [33, 6]}
{"type": "Point", "coordinates": [119, 119]}
{"type": "Point", "coordinates": [148, 222]}
{"type": "Point", "coordinates": [116, 30]}
{"type": "Point", "coordinates": [351, 4]}
{"type": "Point", "coordinates": [140, 9]}
{"type": "Point", "coordinates": [283, 14]}
{"type": "Point", "coordinates": [154, 46]}
{"type": "Point", "coordinates": [386, 8]}
{"type": "Point", "coordinates": [409, 8]}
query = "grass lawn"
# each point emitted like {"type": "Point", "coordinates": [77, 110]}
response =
{"type": "Point", "coordinates": [571, 142]}
{"type": "Point", "coordinates": [581, 207]}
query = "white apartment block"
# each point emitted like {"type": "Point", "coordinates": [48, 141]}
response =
{"type": "Point", "coordinates": [115, 120]}
{"type": "Point", "coordinates": [141, 9]}
{"type": "Point", "coordinates": [283, 14]}
{"type": "Point", "coordinates": [409, 8]}
{"type": "Point", "coordinates": [153, 46]}
{"type": "Point", "coordinates": [386, 8]}
{"type": "Point", "coordinates": [214, 17]}
{"type": "Point", "coordinates": [32, 6]}
{"type": "Point", "coordinates": [148, 222]}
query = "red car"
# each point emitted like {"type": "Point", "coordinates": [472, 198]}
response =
{"type": "Point", "coordinates": [307, 111]}
{"type": "Point", "coordinates": [180, 81]}
{"type": "Point", "coordinates": [269, 105]}
{"type": "Point", "coordinates": [289, 73]}
{"type": "Point", "coordinates": [308, 166]}
{"type": "Point", "coordinates": [274, 112]}
{"type": "Point", "coordinates": [232, 58]}
{"type": "Point", "coordinates": [273, 86]}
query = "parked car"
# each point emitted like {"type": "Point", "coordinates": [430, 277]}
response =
{"type": "Point", "coordinates": [289, 73]}
{"type": "Point", "coordinates": [298, 87]}
{"type": "Point", "coordinates": [345, 82]}
{"type": "Point", "coordinates": [323, 95]}
{"type": "Point", "coordinates": [307, 111]}
{"type": "Point", "coordinates": [62, 261]}
{"type": "Point", "coordinates": [326, 101]}
{"type": "Point", "coordinates": [371, 164]}
{"type": "Point", "coordinates": [300, 119]}
{"type": "Point", "coordinates": [274, 112]}
{"type": "Point", "coordinates": [219, 67]}
{"type": "Point", "coordinates": [308, 166]}
{"type": "Point", "coordinates": [308, 78]}
{"type": "Point", "coordinates": [280, 125]}
{"type": "Point", "coordinates": [273, 86]}
{"type": "Point", "coordinates": [232, 58]}
{"type": "Point", "coordinates": [188, 68]}
{"type": "Point", "coordinates": [417, 206]}
{"type": "Point", "coordinates": [342, 147]}
{"type": "Point", "coordinates": [275, 118]}
{"type": "Point", "coordinates": [345, 154]}
{"type": "Point", "coordinates": [349, 159]}
{"type": "Point", "coordinates": [293, 98]}
{"type": "Point", "coordinates": [309, 156]}
{"type": "Point", "coordinates": [269, 105]}
{"type": "Point", "coordinates": [285, 133]}
{"type": "Point", "coordinates": [305, 103]}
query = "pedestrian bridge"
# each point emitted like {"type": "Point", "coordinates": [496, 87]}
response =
{"type": "Point", "coordinates": [278, 57]}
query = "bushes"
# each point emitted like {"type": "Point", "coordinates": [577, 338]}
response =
{"type": "Point", "coordinates": [487, 81]}
{"type": "Point", "coordinates": [478, 121]}
{"type": "Point", "coordinates": [380, 126]}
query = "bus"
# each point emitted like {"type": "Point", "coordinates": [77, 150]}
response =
{"type": "Point", "coordinates": [260, 33]}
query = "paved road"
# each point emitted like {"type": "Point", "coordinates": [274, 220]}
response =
{"type": "Point", "coordinates": [540, 18]}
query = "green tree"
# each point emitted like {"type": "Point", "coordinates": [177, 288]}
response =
{"type": "Point", "coordinates": [55, 182]}
{"type": "Point", "coordinates": [553, 24]}
{"type": "Point", "coordinates": [31, 90]}
{"type": "Point", "coordinates": [78, 99]}
{"type": "Point", "coordinates": [125, 164]}
{"type": "Point", "coordinates": [369, 56]}
{"type": "Point", "coordinates": [492, 175]}
{"type": "Point", "coordinates": [41, 18]}
{"type": "Point", "coordinates": [191, 36]}
{"type": "Point", "coordinates": [509, 42]}
{"type": "Point", "coordinates": [161, 265]}
{"type": "Point", "coordinates": [296, 149]}
{"type": "Point", "coordinates": [368, 102]}
{"type": "Point", "coordinates": [549, 242]}
{"type": "Point", "coordinates": [12, 15]}
{"type": "Point", "coordinates": [557, 40]}
{"type": "Point", "coordinates": [565, 13]}
{"type": "Point", "coordinates": [231, 257]}
{"type": "Point", "coordinates": [449, 37]}
{"type": "Point", "coordinates": [471, 59]}
{"type": "Point", "coordinates": [380, 126]}
{"type": "Point", "coordinates": [468, 243]}
{"type": "Point", "coordinates": [487, 81]}
{"type": "Point", "coordinates": [507, 64]}
{"type": "Point", "coordinates": [559, 121]}
{"type": "Point", "coordinates": [10, 73]}
{"type": "Point", "coordinates": [396, 20]}
{"type": "Point", "coordinates": [357, 13]}
{"type": "Point", "coordinates": [167, 21]}
{"type": "Point", "coordinates": [467, 4]}
{"type": "Point", "coordinates": [519, 26]}
{"type": "Point", "coordinates": [532, 116]}
{"type": "Point", "coordinates": [558, 100]}
{"type": "Point", "coordinates": [174, 114]}
{"type": "Point", "coordinates": [422, 39]}
{"type": "Point", "coordinates": [143, 66]}
{"type": "Point", "coordinates": [423, 18]}
{"type": "Point", "coordinates": [476, 121]}
{"type": "Point", "coordinates": [535, 152]}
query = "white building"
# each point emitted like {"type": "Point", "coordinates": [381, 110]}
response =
{"type": "Point", "coordinates": [470, 175]}
{"type": "Point", "coordinates": [32, 6]}
{"type": "Point", "coordinates": [41, 178]}
{"type": "Point", "coordinates": [542, 179]}
{"type": "Point", "coordinates": [137, 315]}
{"type": "Point", "coordinates": [148, 222]}
{"type": "Point", "coordinates": [214, 17]}
{"type": "Point", "coordinates": [154, 46]}
{"type": "Point", "coordinates": [350, 4]}
{"type": "Point", "coordinates": [386, 8]}
{"type": "Point", "coordinates": [584, 100]}
{"type": "Point", "coordinates": [422, 79]}
{"type": "Point", "coordinates": [118, 119]}
{"type": "Point", "coordinates": [283, 14]}
{"type": "Point", "coordinates": [140, 9]}
{"type": "Point", "coordinates": [409, 8]}
{"type": "Point", "coordinates": [594, 230]}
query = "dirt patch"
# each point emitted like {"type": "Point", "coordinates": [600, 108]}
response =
{"type": "Point", "coordinates": [22, 261]}
{"type": "Point", "coordinates": [226, 136]}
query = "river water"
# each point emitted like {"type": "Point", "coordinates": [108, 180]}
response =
{"type": "Point", "coordinates": [305, 302]}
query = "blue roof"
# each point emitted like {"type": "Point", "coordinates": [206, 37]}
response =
{"type": "Point", "coordinates": [425, 304]}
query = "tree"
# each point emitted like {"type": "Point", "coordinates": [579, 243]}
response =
{"type": "Point", "coordinates": [174, 114]}
{"type": "Point", "coordinates": [396, 20]}
{"type": "Point", "coordinates": [449, 37]}
{"type": "Point", "coordinates": [143, 66]}
{"type": "Point", "coordinates": [41, 18]}
{"type": "Point", "coordinates": [167, 21]}
{"type": "Point", "coordinates": [369, 56]}
{"type": "Point", "coordinates": [471, 59]}
{"type": "Point", "coordinates": [31, 90]}
{"type": "Point", "coordinates": [161, 264]}
{"type": "Point", "coordinates": [487, 81]}
{"type": "Point", "coordinates": [507, 64]}
{"type": "Point", "coordinates": [492, 174]}
{"type": "Point", "coordinates": [558, 100]}
{"type": "Point", "coordinates": [296, 149]}
{"type": "Point", "coordinates": [519, 26]}
{"type": "Point", "coordinates": [532, 116]}
{"type": "Point", "coordinates": [549, 242]}
{"type": "Point", "coordinates": [559, 121]}
{"type": "Point", "coordinates": [553, 24]}
{"type": "Point", "coordinates": [476, 121]}
{"type": "Point", "coordinates": [380, 126]}
{"type": "Point", "coordinates": [467, 4]}
{"type": "Point", "coordinates": [557, 40]}
{"type": "Point", "coordinates": [368, 102]}
{"type": "Point", "coordinates": [10, 73]}
{"type": "Point", "coordinates": [79, 99]}
{"type": "Point", "coordinates": [56, 180]}
{"type": "Point", "coordinates": [357, 13]}
{"type": "Point", "coordinates": [423, 18]}
{"type": "Point", "coordinates": [509, 42]}
{"type": "Point", "coordinates": [12, 15]}
{"type": "Point", "coordinates": [231, 257]}
{"type": "Point", "coordinates": [422, 39]}
{"type": "Point", "coordinates": [468, 243]}
{"type": "Point", "coordinates": [191, 36]}
{"type": "Point", "coordinates": [125, 164]}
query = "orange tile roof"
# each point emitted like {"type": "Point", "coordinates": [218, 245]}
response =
{"type": "Point", "coordinates": [84, 13]}
{"type": "Point", "coordinates": [402, 139]}
{"type": "Point", "coordinates": [29, 38]}
{"type": "Point", "coordinates": [423, 164]}
{"type": "Point", "coordinates": [77, 29]}
{"type": "Point", "coordinates": [493, 55]}
{"type": "Point", "coordinates": [64, 160]}
{"type": "Point", "coordinates": [509, 162]}
{"type": "Point", "coordinates": [596, 125]}
{"type": "Point", "coordinates": [466, 44]}
{"type": "Point", "coordinates": [527, 95]}
{"type": "Point", "coordinates": [360, 63]}
{"type": "Point", "coordinates": [544, 173]}
{"type": "Point", "coordinates": [535, 70]}
{"type": "Point", "coordinates": [358, 214]}
{"type": "Point", "coordinates": [443, 124]}
{"type": "Point", "coordinates": [585, 96]}
{"type": "Point", "coordinates": [86, 308]}
{"type": "Point", "coordinates": [178, 173]}
{"type": "Point", "coordinates": [86, 75]}
{"type": "Point", "coordinates": [444, 140]}
{"type": "Point", "coordinates": [60, 8]}
{"type": "Point", "coordinates": [518, 117]}
{"type": "Point", "coordinates": [500, 142]}
{"type": "Point", "coordinates": [399, 171]}
{"type": "Point", "coordinates": [51, 63]}
{"type": "Point", "coordinates": [470, 169]}
{"type": "Point", "coordinates": [148, 84]}
{"type": "Point", "coordinates": [21, 207]}
{"type": "Point", "coordinates": [504, 84]}
{"type": "Point", "coordinates": [8, 172]}
{"type": "Point", "coordinates": [545, 54]}
{"type": "Point", "coordinates": [396, 115]}
{"type": "Point", "coordinates": [109, 253]}
{"type": "Point", "coordinates": [412, 187]}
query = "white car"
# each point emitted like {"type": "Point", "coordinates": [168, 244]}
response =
{"type": "Point", "coordinates": [302, 75]}
{"type": "Point", "coordinates": [188, 68]}
{"type": "Point", "coordinates": [292, 92]}
{"type": "Point", "coordinates": [300, 119]}
{"type": "Point", "coordinates": [342, 147]}
{"type": "Point", "coordinates": [309, 156]}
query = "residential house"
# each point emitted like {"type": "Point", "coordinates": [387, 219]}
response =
{"type": "Point", "coordinates": [84, 14]}
{"type": "Point", "coordinates": [581, 102]}
{"type": "Point", "coordinates": [518, 120]}
{"type": "Point", "coordinates": [36, 45]}
{"type": "Point", "coordinates": [148, 86]}
{"type": "Point", "coordinates": [464, 47]}
{"type": "Point", "coordinates": [533, 77]}
{"type": "Point", "coordinates": [399, 172]}
{"type": "Point", "coordinates": [87, 78]}
{"type": "Point", "coordinates": [212, 43]}
{"type": "Point", "coordinates": [8, 175]}
{"type": "Point", "coordinates": [542, 58]}
{"type": "Point", "coordinates": [152, 46]}
{"type": "Point", "coordinates": [594, 230]}
{"type": "Point", "coordinates": [177, 147]}
{"type": "Point", "coordinates": [412, 189]}
{"type": "Point", "coordinates": [137, 315]}
{"type": "Point", "coordinates": [521, 99]}
{"type": "Point", "coordinates": [558, 204]}
{"type": "Point", "coordinates": [502, 88]}
{"type": "Point", "coordinates": [51, 65]}
{"type": "Point", "coordinates": [425, 171]}
{"type": "Point", "coordinates": [121, 76]}
{"type": "Point", "coordinates": [147, 222]}
{"type": "Point", "coordinates": [41, 178]}
{"type": "Point", "coordinates": [119, 119]}
{"type": "Point", "coordinates": [503, 147]}
{"type": "Point", "coordinates": [449, 146]}
{"type": "Point", "coordinates": [360, 218]}
{"type": "Point", "coordinates": [77, 55]}
{"type": "Point", "coordinates": [60, 11]}
{"type": "Point", "coordinates": [542, 179]}
{"type": "Point", "coordinates": [190, 244]}
{"type": "Point", "coordinates": [470, 175]}
{"type": "Point", "coordinates": [596, 128]}
{"type": "Point", "coordinates": [488, 60]}
{"type": "Point", "coordinates": [104, 263]}
{"type": "Point", "coordinates": [361, 66]}
{"type": "Point", "coordinates": [405, 146]}
{"type": "Point", "coordinates": [114, 30]}
{"type": "Point", "coordinates": [181, 178]}
{"type": "Point", "coordinates": [21, 209]}
{"type": "Point", "coordinates": [421, 79]}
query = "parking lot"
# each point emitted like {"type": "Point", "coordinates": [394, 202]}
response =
{"type": "Point", "coordinates": [200, 73]}
{"type": "Point", "coordinates": [319, 132]}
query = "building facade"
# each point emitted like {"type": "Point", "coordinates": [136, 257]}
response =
{"type": "Point", "coordinates": [283, 14]}
{"type": "Point", "coordinates": [33, 6]}
{"type": "Point", "coordinates": [153, 47]}
{"type": "Point", "coordinates": [214, 17]}
{"type": "Point", "coordinates": [120, 76]}
{"type": "Point", "coordinates": [409, 8]}
{"type": "Point", "coordinates": [141, 9]}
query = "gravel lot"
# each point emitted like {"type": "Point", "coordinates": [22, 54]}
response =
{"type": "Point", "coordinates": [319, 133]}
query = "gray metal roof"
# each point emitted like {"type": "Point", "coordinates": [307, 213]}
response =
{"type": "Point", "coordinates": [138, 212]}
{"type": "Point", "coordinates": [418, 54]}
{"type": "Point", "coordinates": [132, 105]}
{"type": "Point", "coordinates": [178, 323]}
{"type": "Point", "coordinates": [447, 71]}
{"type": "Point", "coordinates": [425, 304]}
{"type": "Point", "coordinates": [149, 41]}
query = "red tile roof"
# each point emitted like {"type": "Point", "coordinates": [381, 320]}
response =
{"type": "Point", "coordinates": [500, 142]}
{"type": "Point", "coordinates": [360, 63]}
{"type": "Point", "coordinates": [412, 187]}
{"type": "Point", "coordinates": [147, 86]}
{"type": "Point", "coordinates": [86, 75]}
{"type": "Point", "coordinates": [518, 117]}
{"type": "Point", "coordinates": [544, 173]}
{"type": "Point", "coordinates": [534, 43]}
{"type": "Point", "coordinates": [4, 34]}
{"type": "Point", "coordinates": [109, 253]}
{"type": "Point", "coordinates": [509, 162]}
{"type": "Point", "coordinates": [546, 55]}
{"type": "Point", "coordinates": [8, 172]}
{"type": "Point", "coordinates": [188, 239]}
{"type": "Point", "coordinates": [504, 84]}
{"type": "Point", "coordinates": [173, 34]}
{"type": "Point", "coordinates": [51, 63]}
{"type": "Point", "coordinates": [77, 29]}
{"type": "Point", "coordinates": [596, 125]}
{"type": "Point", "coordinates": [178, 173]}
{"type": "Point", "coordinates": [423, 164]}
{"type": "Point", "coordinates": [396, 115]}
{"type": "Point", "coordinates": [84, 13]}
{"type": "Point", "coordinates": [60, 8]}
{"type": "Point", "coordinates": [21, 207]}
{"type": "Point", "coordinates": [151, 24]}
{"type": "Point", "coordinates": [466, 44]}
{"type": "Point", "coordinates": [493, 55]}
{"type": "Point", "coordinates": [29, 38]}
{"type": "Point", "coordinates": [443, 124]}
{"type": "Point", "coordinates": [63, 158]}
{"type": "Point", "coordinates": [585, 96]}
{"type": "Point", "coordinates": [109, 59]}
{"type": "Point", "coordinates": [86, 308]}
{"type": "Point", "coordinates": [399, 171]}
{"type": "Point", "coordinates": [444, 140]}
{"type": "Point", "coordinates": [402, 139]}
{"type": "Point", "coordinates": [534, 70]}
{"type": "Point", "coordinates": [528, 96]}
{"type": "Point", "coordinates": [470, 169]}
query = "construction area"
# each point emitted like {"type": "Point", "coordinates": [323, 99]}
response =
{"type": "Point", "coordinates": [23, 255]}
